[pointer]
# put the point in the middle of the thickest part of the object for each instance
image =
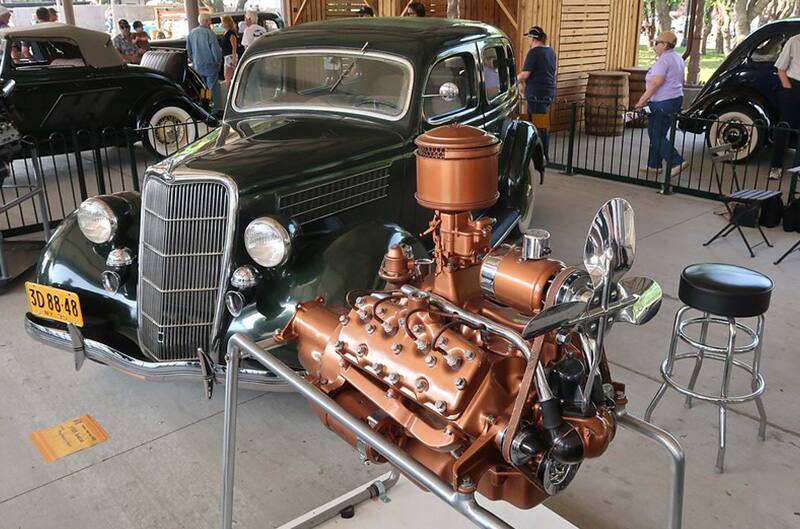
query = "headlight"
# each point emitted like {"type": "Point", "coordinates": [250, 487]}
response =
{"type": "Point", "coordinates": [267, 242]}
{"type": "Point", "coordinates": [97, 220]}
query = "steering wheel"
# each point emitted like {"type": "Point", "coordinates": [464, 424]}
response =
{"type": "Point", "coordinates": [375, 103]}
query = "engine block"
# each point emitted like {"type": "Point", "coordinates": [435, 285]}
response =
{"type": "Point", "coordinates": [439, 363]}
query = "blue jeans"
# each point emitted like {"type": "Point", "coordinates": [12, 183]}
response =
{"type": "Point", "coordinates": [212, 82]}
{"type": "Point", "coordinates": [658, 123]}
{"type": "Point", "coordinates": [541, 106]}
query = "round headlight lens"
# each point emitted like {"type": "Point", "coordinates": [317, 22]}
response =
{"type": "Point", "coordinates": [97, 220]}
{"type": "Point", "coordinates": [267, 242]}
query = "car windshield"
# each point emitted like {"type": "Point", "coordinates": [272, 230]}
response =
{"type": "Point", "coordinates": [353, 82]}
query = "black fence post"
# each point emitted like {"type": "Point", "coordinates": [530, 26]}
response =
{"type": "Point", "coordinates": [129, 141]}
{"type": "Point", "coordinates": [666, 187]}
{"type": "Point", "coordinates": [98, 163]}
{"type": "Point", "coordinates": [76, 145]}
{"type": "Point", "coordinates": [573, 124]}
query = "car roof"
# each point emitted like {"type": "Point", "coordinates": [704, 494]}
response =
{"type": "Point", "coordinates": [793, 20]}
{"type": "Point", "coordinates": [95, 46]}
{"type": "Point", "coordinates": [405, 36]}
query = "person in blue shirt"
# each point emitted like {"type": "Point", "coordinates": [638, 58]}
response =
{"type": "Point", "coordinates": [202, 48]}
{"type": "Point", "coordinates": [539, 75]}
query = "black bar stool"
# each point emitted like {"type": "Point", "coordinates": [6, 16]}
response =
{"type": "Point", "coordinates": [722, 293]}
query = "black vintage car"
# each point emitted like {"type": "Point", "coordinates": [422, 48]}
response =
{"type": "Point", "coordinates": [741, 99]}
{"type": "Point", "coordinates": [299, 193]}
{"type": "Point", "coordinates": [75, 79]}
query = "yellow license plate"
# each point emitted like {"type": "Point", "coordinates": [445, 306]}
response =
{"type": "Point", "coordinates": [54, 303]}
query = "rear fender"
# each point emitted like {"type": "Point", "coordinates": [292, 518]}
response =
{"type": "Point", "coordinates": [327, 265]}
{"type": "Point", "coordinates": [174, 97]}
{"type": "Point", "coordinates": [711, 105]}
{"type": "Point", "coordinates": [522, 148]}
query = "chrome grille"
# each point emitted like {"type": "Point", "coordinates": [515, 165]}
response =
{"type": "Point", "coordinates": [182, 256]}
{"type": "Point", "coordinates": [323, 200]}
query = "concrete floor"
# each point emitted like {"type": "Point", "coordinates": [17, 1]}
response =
{"type": "Point", "coordinates": [160, 467]}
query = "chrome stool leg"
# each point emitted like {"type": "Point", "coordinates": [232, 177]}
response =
{"type": "Point", "coordinates": [726, 381]}
{"type": "Point", "coordinates": [673, 344]}
{"type": "Point", "coordinates": [698, 363]}
{"type": "Point", "coordinates": [762, 413]}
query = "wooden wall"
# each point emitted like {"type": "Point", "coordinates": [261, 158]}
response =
{"type": "Point", "coordinates": [587, 35]}
{"type": "Point", "coordinates": [503, 14]}
{"type": "Point", "coordinates": [433, 8]}
{"type": "Point", "coordinates": [312, 10]}
{"type": "Point", "coordinates": [623, 38]}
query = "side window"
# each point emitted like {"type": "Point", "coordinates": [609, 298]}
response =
{"type": "Point", "coordinates": [512, 66]}
{"type": "Point", "coordinates": [28, 55]}
{"type": "Point", "coordinates": [769, 50]}
{"type": "Point", "coordinates": [458, 70]}
{"type": "Point", "coordinates": [495, 73]}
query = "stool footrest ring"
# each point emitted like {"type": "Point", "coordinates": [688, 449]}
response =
{"type": "Point", "coordinates": [713, 348]}
{"type": "Point", "coordinates": [718, 399]}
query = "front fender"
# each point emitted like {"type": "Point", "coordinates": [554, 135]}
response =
{"type": "Point", "coordinates": [71, 262]}
{"type": "Point", "coordinates": [327, 265]}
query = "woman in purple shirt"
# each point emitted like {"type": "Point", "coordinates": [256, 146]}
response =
{"type": "Point", "coordinates": [664, 96]}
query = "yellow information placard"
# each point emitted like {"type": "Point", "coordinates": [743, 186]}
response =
{"type": "Point", "coordinates": [68, 437]}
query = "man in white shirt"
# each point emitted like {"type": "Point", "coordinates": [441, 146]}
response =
{"type": "Point", "coordinates": [788, 66]}
{"type": "Point", "coordinates": [252, 29]}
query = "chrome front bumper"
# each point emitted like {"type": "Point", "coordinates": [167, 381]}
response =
{"type": "Point", "coordinates": [83, 348]}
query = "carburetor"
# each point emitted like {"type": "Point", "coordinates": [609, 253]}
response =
{"type": "Point", "coordinates": [484, 364]}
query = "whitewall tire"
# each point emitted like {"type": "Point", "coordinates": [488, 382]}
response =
{"type": "Point", "coordinates": [740, 126]}
{"type": "Point", "coordinates": [168, 129]}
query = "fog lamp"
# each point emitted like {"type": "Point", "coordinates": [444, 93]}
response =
{"type": "Point", "coordinates": [245, 277]}
{"type": "Point", "coordinates": [119, 258]}
{"type": "Point", "coordinates": [234, 301]}
{"type": "Point", "coordinates": [111, 281]}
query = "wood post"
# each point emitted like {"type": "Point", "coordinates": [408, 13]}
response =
{"type": "Point", "coordinates": [287, 12]}
{"type": "Point", "coordinates": [68, 12]}
{"type": "Point", "coordinates": [695, 42]}
{"type": "Point", "coordinates": [192, 12]}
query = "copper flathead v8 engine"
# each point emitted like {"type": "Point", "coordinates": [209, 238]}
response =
{"type": "Point", "coordinates": [485, 365]}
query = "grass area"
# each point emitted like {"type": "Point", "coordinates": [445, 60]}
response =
{"type": "Point", "coordinates": [708, 62]}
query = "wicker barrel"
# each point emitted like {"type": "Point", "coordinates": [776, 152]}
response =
{"type": "Point", "coordinates": [636, 87]}
{"type": "Point", "coordinates": [606, 101]}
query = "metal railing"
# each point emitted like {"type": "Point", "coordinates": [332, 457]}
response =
{"type": "Point", "coordinates": [613, 143]}
{"type": "Point", "coordinates": [86, 163]}
{"type": "Point", "coordinates": [587, 139]}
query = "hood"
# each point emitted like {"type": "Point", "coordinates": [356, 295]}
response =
{"type": "Point", "coordinates": [270, 151]}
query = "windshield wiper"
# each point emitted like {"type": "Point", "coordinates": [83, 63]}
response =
{"type": "Point", "coordinates": [346, 70]}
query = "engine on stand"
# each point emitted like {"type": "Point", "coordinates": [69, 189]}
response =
{"type": "Point", "coordinates": [486, 365]}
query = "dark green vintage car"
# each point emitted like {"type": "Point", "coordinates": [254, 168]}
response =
{"type": "Point", "coordinates": [299, 193]}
